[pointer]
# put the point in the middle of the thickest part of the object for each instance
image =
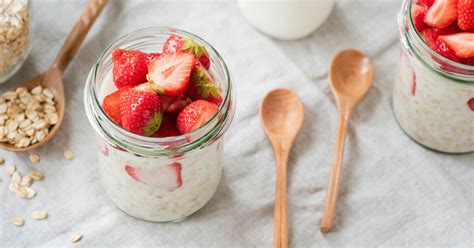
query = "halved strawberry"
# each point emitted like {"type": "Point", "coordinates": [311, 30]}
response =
{"type": "Point", "coordinates": [141, 110]}
{"type": "Point", "coordinates": [466, 14]}
{"type": "Point", "coordinates": [195, 115]}
{"type": "Point", "coordinates": [167, 177]}
{"type": "Point", "coordinates": [418, 13]}
{"type": "Point", "coordinates": [111, 105]}
{"type": "Point", "coordinates": [130, 67]}
{"type": "Point", "coordinates": [174, 105]}
{"type": "Point", "coordinates": [442, 13]}
{"type": "Point", "coordinates": [462, 44]}
{"type": "Point", "coordinates": [152, 56]}
{"type": "Point", "coordinates": [431, 37]}
{"type": "Point", "coordinates": [167, 128]}
{"type": "Point", "coordinates": [169, 73]}
{"type": "Point", "coordinates": [426, 3]}
{"type": "Point", "coordinates": [470, 103]}
{"type": "Point", "coordinates": [202, 86]}
{"type": "Point", "coordinates": [176, 44]}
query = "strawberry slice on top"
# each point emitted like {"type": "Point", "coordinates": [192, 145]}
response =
{"type": "Point", "coordinates": [202, 86]}
{"type": "Point", "coordinates": [195, 115]}
{"type": "Point", "coordinates": [169, 73]}
{"type": "Point", "coordinates": [141, 110]}
{"type": "Point", "coordinates": [461, 43]}
{"type": "Point", "coordinates": [466, 14]}
{"type": "Point", "coordinates": [176, 44]}
{"type": "Point", "coordinates": [442, 13]}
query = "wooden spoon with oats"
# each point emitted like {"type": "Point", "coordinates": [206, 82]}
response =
{"type": "Point", "coordinates": [52, 77]}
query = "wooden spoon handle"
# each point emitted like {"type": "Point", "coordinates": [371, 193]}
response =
{"type": "Point", "coordinates": [78, 33]}
{"type": "Point", "coordinates": [333, 185]}
{"type": "Point", "coordinates": [280, 221]}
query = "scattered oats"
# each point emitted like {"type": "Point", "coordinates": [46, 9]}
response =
{"type": "Point", "coordinates": [76, 238]}
{"type": "Point", "coordinates": [16, 177]}
{"type": "Point", "coordinates": [36, 175]}
{"type": "Point", "coordinates": [21, 191]}
{"type": "Point", "coordinates": [26, 181]}
{"type": "Point", "coordinates": [2, 160]}
{"type": "Point", "coordinates": [68, 154]}
{"type": "Point", "coordinates": [30, 193]}
{"type": "Point", "coordinates": [39, 215]}
{"type": "Point", "coordinates": [18, 221]}
{"type": "Point", "coordinates": [13, 186]}
{"type": "Point", "coordinates": [11, 169]}
{"type": "Point", "coordinates": [34, 158]}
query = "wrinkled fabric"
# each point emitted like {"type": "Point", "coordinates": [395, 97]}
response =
{"type": "Point", "coordinates": [393, 192]}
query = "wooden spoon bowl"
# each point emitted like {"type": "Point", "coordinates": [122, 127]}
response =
{"type": "Point", "coordinates": [52, 77]}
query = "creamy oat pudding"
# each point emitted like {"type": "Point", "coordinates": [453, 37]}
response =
{"type": "Point", "coordinates": [160, 108]}
{"type": "Point", "coordinates": [433, 97]}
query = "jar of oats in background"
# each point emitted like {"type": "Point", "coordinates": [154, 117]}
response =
{"type": "Point", "coordinates": [15, 42]}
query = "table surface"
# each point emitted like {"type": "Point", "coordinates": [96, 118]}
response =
{"type": "Point", "coordinates": [393, 192]}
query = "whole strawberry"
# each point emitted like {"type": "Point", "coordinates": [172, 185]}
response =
{"type": "Point", "coordinates": [176, 44]}
{"type": "Point", "coordinates": [466, 14]}
{"type": "Point", "coordinates": [141, 110]}
{"type": "Point", "coordinates": [195, 115]}
{"type": "Point", "coordinates": [130, 66]}
{"type": "Point", "coordinates": [202, 86]}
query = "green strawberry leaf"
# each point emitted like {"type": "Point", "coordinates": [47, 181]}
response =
{"type": "Point", "coordinates": [188, 43]}
{"type": "Point", "coordinates": [153, 125]}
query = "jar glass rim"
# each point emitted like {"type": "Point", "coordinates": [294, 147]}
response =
{"type": "Point", "coordinates": [413, 32]}
{"type": "Point", "coordinates": [213, 126]}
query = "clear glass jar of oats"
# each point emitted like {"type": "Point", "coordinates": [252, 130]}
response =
{"type": "Point", "coordinates": [15, 42]}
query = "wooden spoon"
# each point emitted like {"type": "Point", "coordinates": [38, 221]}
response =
{"type": "Point", "coordinates": [52, 77]}
{"type": "Point", "coordinates": [282, 116]}
{"type": "Point", "coordinates": [350, 77]}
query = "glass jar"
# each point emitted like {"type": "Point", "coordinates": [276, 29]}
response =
{"type": "Point", "coordinates": [433, 97]}
{"type": "Point", "coordinates": [15, 42]}
{"type": "Point", "coordinates": [158, 179]}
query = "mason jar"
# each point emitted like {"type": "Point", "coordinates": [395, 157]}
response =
{"type": "Point", "coordinates": [433, 97]}
{"type": "Point", "coordinates": [15, 44]}
{"type": "Point", "coordinates": [158, 179]}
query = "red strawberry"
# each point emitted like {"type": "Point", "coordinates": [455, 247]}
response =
{"type": "Point", "coordinates": [442, 13]}
{"type": "Point", "coordinates": [168, 177]}
{"type": "Point", "coordinates": [174, 105]}
{"type": "Point", "coordinates": [176, 44]}
{"type": "Point", "coordinates": [169, 73]}
{"type": "Point", "coordinates": [470, 103]}
{"type": "Point", "coordinates": [167, 128]}
{"type": "Point", "coordinates": [111, 105]}
{"type": "Point", "coordinates": [426, 3]}
{"type": "Point", "coordinates": [195, 115]}
{"type": "Point", "coordinates": [462, 44]}
{"type": "Point", "coordinates": [130, 67]}
{"type": "Point", "coordinates": [466, 14]}
{"type": "Point", "coordinates": [152, 56]}
{"type": "Point", "coordinates": [431, 37]}
{"type": "Point", "coordinates": [418, 13]}
{"type": "Point", "coordinates": [202, 86]}
{"type": "Point", "coordinates": [141, 110]}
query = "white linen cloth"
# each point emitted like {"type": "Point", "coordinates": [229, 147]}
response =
{"type": "Point", "coordinates": [394, 192]}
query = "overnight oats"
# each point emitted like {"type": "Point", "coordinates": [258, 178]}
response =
{"type": "Point", "coordinates": [160, 101]}
{"type": "Point", "coordinates": [433, 96]}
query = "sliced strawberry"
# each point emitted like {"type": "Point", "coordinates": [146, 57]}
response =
{"type": "Point", "coordinates": [431, 37]}
{"type": "Point", "coordinates": [202, 86]}
{"type": "Point", "coordinates": [418, 13]}
{"type": "Point", "coordinates": [442, 13]}
{"type": "Point", "coordinates": [111, 105]}
{"type": "Point", "coordinates": [426, 3]}
{"type": "Point", "coordinates": [470, 103]}
{"type": "Point", "coordinates": [462, 44]}
{"type": "Point", "coordinates": [167, 128]}
{"type": "Point", "coordinates": [169, 73]}
{"type": "Point", "coordinates": [141, 110]}
{"type": "Point", "coordinates": [466, 14]}
{"type": "Point", "coordinates": [195, 115]}
{"type": "Point", "coordinates": [168, 177]}
{"type": "Point", "coordinates": [152, 56]}
{"type": "Point", "coordinates": [176, 44]}
{"type": "Point", "coordinates": [178, 104]}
